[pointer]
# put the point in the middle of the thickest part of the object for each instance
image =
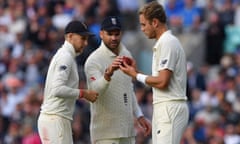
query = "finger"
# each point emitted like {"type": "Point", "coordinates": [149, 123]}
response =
{"type": "Point", "coordinates": [94, 99]}
{"type": "Point", "coordinates": [118, 60]}
{"type": "Point", "coordinates": [122, 67]}
{"type": "Point", "coordinates": [147, 132]}
{"type": "Point", "coordinates": [125, 64]}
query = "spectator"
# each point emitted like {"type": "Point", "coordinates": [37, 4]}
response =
{"type": "Point", "coordinates": [214, 39]}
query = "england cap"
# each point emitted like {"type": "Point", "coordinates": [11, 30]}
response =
{"type": "Point", "coordinates": [111, 23]}
{"type": "Point", "coordinates": [78, 28]}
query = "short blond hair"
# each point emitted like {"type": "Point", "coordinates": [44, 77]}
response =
{"type": "Point", "coordinates": [153, 10]}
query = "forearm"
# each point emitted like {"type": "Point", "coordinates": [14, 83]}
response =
{"type": "Point", "coordinates": [99, 85]}
{"type": "Point", "coordinates": [155, 82]}
{"type": "Point", "coordinates": [152, 81]}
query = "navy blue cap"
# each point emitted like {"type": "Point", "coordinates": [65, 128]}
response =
{"type": "Point", "coordinates": [78, 28]}
{"type": "Point", "coordinates": [111, 23]}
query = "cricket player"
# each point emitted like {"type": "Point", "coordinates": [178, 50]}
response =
{"type": "Point", "coordinates": [114, 112]}
{"type": "Point", "coordinates": [168, 79]}
{"type": "Point", "coordinates": [61, 88]}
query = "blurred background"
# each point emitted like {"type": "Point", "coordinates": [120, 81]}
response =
{"type": "Point", "coordinates": [32, 30]}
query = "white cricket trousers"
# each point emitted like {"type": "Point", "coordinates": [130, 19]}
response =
{"type": "Point", "coordinates": [169, 122]}
{"type": "Point", "coordinates": [129, 140]}
{"type": "Point", "coordinates": [54, 129]}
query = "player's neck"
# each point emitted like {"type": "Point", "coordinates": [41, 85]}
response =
{"type": "Point", "coordinates": [160, 31]}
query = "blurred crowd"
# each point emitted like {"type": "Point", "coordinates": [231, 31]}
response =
{"type": "Point", "coordinates": [32, 30]}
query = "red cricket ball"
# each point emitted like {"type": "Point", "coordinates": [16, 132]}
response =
{"type": "Point", "coordinates": [127, 60]}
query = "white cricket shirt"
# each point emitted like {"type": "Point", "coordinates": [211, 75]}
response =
{"type": "Point", "coordinates": [61, 88]}
{"type": "Point", "coordinates": [112, 115]}
{"type": "Point", "coordinates": [169, 54]}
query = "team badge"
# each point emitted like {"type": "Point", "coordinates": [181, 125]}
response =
{"type": "Point", "coordinates": [114, 21]}
{"type": "Point", "coordinates": [85, 26]}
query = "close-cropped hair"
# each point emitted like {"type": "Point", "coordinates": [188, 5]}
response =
{"type": "Point", "coordinates": [153, 10]}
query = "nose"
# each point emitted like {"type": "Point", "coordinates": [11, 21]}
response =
{"type": "Point", "coordinates": [113, 37]}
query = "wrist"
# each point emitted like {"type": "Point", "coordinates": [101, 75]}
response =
{"type": "Point", "coordinates": [141, 77]}
{"type": "Point", "coordinates": [108, 74]}
{"type": "Point", "coordinates": [81, 93]}
{"type": "Point", "coordinates": [140, 117]}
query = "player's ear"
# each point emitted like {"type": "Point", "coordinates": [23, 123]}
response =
{"type": "Point", "coordinates": [101, 34]}
{"type": "Point", "coordinates": [155, 22]}
{"type": "Point", "coordinates": [68, 36]}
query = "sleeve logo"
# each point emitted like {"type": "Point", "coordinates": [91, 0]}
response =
{"type": "Point", "coordinates": [63, 67]}
{"type": "Point", "coordinates": [92, 78]}
{"type": "Point", "coordinates": [163, 62]}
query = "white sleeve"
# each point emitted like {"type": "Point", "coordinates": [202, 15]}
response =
{"type": "Point", "coordinates": [136, 108]}
{"type": "Point", "coordinates": [60, 72]}
{"type": "Point", "coordinates": [95, 76]}
{"type": "Point", "coordinates": [168, 56]}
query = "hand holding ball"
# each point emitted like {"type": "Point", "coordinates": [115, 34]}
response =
{"type": "Point", "coordinates": [127, 60]}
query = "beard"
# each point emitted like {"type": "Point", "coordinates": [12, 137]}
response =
{"type": "Point", "coordinates": [112, 45]}
{"type": "Point", "coordinates": [151, 35]}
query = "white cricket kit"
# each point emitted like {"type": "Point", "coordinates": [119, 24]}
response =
{"type": "Point", "coordinates": [60, 94]}
{"type": "Point", "coordinates": [170, 111]}
{"type": "Point", "coordinates": [61, 90]}
{"type": "Point", "coordinates": [112, 115]}
{"type": "Point", "coordinates": [166, 55]}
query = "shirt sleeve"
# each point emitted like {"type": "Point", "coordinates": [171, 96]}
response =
{"type": "Point", "coordinates": [61, 86]}
{"type": "Point", "coordinates": [95, 76]}
{"type": "Point", "coordinates": [136, 108]}
{"type": "Point", "coordinates": [168, 56]}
